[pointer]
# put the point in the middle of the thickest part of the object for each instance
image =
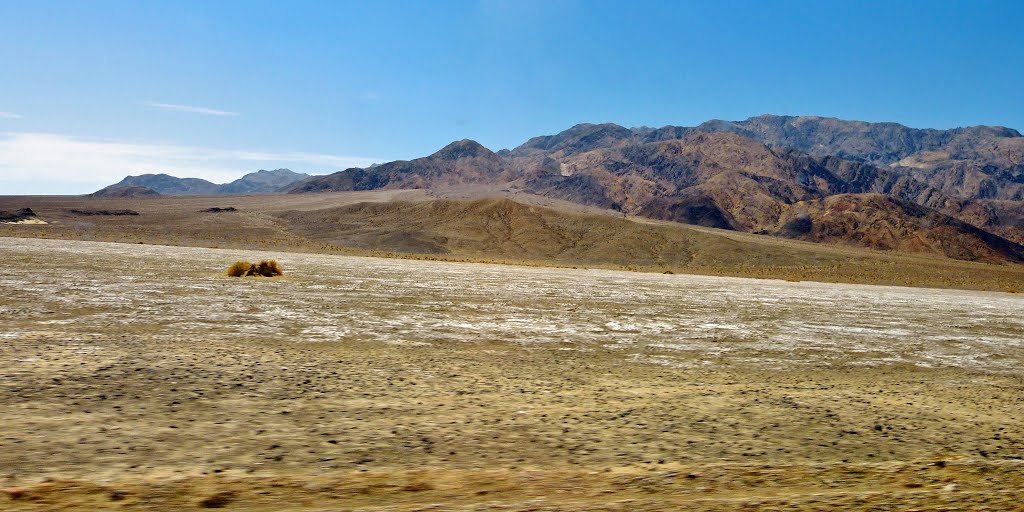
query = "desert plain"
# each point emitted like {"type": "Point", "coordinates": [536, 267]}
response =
{"type": "Point", "coordinates": [484, 224]}
{"type": "Point", "coordinates": [140, 377]}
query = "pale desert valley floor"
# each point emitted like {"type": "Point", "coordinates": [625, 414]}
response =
{"type": "Point", "coordinates": [140, 377]}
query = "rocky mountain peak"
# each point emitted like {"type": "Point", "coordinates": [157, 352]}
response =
{"type": "Point", "coordinates": [464, 148]}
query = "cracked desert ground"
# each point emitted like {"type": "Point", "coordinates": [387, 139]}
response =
{"type": "Point", "coordinates": [137, 377]}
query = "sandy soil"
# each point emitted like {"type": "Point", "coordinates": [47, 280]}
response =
{"type": "Point", "coordinates": [140, 378]}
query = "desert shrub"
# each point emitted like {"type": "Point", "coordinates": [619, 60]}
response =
{"type": "Point", "coordinates": [239, 268]}
{"type": "Point", "coordinates": [265, 268]}
{"type": "Point", "coordinates": [268, 268]}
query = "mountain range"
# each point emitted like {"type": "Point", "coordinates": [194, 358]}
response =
{"type": "Point", "coordinates": [957, 193]}
{"type": "Point", "coordinates": [259, 182]}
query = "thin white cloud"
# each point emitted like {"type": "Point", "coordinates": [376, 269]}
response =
{"type": "Point", "coordinates": [10, 115]}
{"type": "Point", "coordinates": [43, 163]}
{"type": "Point", "coordinates": [191, 109]}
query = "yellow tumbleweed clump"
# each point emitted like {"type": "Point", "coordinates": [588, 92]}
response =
{"type": "Point", "coordinates": [265, 268]}
{"type": "Point", "coordinates": [239, 268]}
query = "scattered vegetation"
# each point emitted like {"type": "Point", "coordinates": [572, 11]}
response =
{"type": "Point", "coordinates": [239, 268]}
{"type": "Point", "coordinates": [269, 268]}
{"type": "Point", "coordinates": [265, 268]}
{"type": "Point", "coordinates": [102, 212]}
{"type": "Point", "coordinates": [17, 215]}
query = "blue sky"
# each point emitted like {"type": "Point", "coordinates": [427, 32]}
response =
{"type": "Point", "coordinates": [92, 91]}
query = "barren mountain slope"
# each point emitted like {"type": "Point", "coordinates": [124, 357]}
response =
{"type": "Point", "coordinates": [262, 182]}
{"type": "Point", "coordinates": [720, 180]}
{"type": "Point", "coordinates": [259, 182]}
{"type": "Point", "coordinates": [578, 139]}
{"type": "Point", "coordinates": [1004, 218]}
{"type": "Point", "coordinates": [883, 222]}
{"type": "Point", "coordinates": [501, 228]}
{"type": "Point", "coordinates": [163, 184]}
{"type": "Point", "coordinates": [728, 181]}
{"type": "Point", "coordinates": [978, 162]}
{"type": "Point", "coordinates": [126, 191]}
{"type": "Point", "coordinates": [461, 162]}
{"type": "Point", "coordinates": [733, 181]}
{"type": "Point", "coordinates": [878, 143]}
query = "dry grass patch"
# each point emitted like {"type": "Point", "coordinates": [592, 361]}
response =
{"type": "Point", "coordinates": [265, 268]}
{"type": "Point", "coordinates": [239, 268]}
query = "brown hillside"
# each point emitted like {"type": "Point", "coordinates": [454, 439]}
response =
{"type": "Point", "coordinates": [500, 228]}
{"type": "Point", "coordinates": [717, 180]}
{"type": "Point", "coordinates": [1004, 218]}
{"type": "Point", "coordinates": [977, 162]}
{"type": "Point", "coordinates": [883, 222]}
{"type": "Point", "coordinates": [459, 163]}
{"type": "Point", "coordinates": [125, 191]}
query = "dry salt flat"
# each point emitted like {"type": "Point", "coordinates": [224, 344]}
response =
{"type": "Point", "coordinates": [138, 377]}
{"type": "Point", "coordinates": [180, 293]}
